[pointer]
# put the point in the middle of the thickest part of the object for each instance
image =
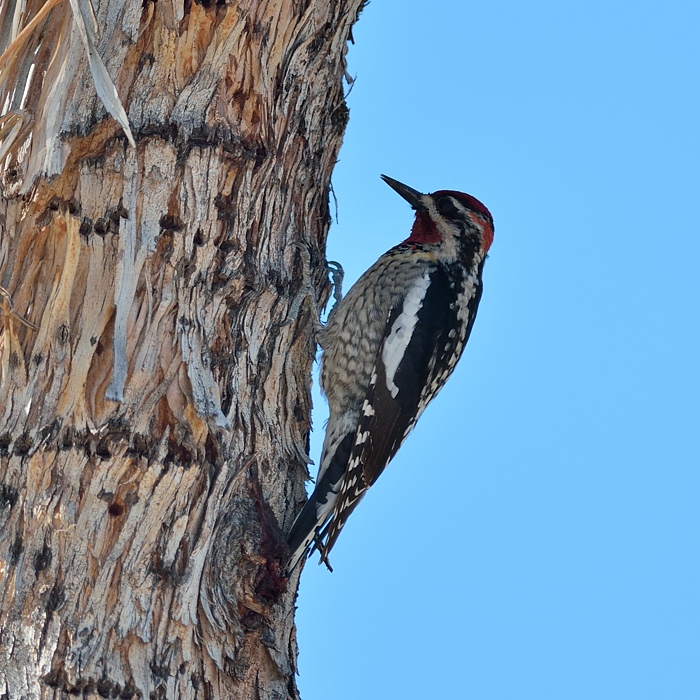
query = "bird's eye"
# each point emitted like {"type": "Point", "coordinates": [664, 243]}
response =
{"type": "Point", "coordinates": [445, 205]}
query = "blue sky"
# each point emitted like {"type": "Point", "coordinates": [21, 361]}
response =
{"type": "Point", "coordinates": [538, 534]}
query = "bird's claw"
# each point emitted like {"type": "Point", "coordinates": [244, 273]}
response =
{"type": "Point", "coordinates": [335, 270]}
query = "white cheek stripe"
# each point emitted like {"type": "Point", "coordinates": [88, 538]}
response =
{"type": "Point", "coordinates": [402, 330]}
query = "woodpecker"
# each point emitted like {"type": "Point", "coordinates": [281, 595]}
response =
{"type": "Point", "coordinates": [388, 348]}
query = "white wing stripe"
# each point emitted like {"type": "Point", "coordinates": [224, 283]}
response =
{"type": "Point", "coordinates": [402, 329]}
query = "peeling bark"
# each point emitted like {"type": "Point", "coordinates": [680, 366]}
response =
{"type": "Point", "coordinates": [155, 406]}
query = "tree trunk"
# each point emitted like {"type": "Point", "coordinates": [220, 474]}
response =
{"type": "Point", "coordinates": [154, 397]}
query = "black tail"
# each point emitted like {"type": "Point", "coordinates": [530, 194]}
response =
{"type": "Point", "coordinates": [302, 533]}
{"type": "Point", "coordinates": [309, 522]}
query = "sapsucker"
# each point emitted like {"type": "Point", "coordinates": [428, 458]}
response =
{"type": "Point", "coordinates": [388, 348]}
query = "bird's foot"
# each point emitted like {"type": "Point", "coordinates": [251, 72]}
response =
{"type": "Point", "coordinates": [307, 291]}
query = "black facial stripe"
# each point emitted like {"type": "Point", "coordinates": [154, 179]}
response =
{"type": "Point", "coordinates": [446, 206]}
{"type": "Point", "coordinates": [455, 210]}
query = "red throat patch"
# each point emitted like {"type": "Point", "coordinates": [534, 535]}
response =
{"type": "Point", "coordinates": [424, 230]}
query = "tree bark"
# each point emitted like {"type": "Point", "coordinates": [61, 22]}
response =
{"type": "Point", "coordinates": [154, 397]}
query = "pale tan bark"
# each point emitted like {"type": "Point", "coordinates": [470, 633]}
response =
{"type": "Point", "coordinates": [154, 423]}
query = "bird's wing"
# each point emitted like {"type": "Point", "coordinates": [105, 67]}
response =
{"type": "Point", "coordinates": [420, 348]}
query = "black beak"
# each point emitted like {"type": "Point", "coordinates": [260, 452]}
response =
{"type": "Point", "coordinates": [413, 197]}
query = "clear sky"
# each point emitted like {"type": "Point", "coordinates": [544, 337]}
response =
{"type": "Point", "coordinates": [538, 535]}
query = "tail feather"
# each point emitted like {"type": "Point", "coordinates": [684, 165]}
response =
{"type": "Point", "coordinates": [319, 508]}
{"type": "Point", "coordinates": [302, 533]}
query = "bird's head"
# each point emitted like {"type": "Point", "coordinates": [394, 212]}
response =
{"type": "Point", "coordinates": [447, 217]}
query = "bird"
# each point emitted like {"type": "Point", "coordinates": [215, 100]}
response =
{"type": "Point", "coordinates": [388, 347]}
